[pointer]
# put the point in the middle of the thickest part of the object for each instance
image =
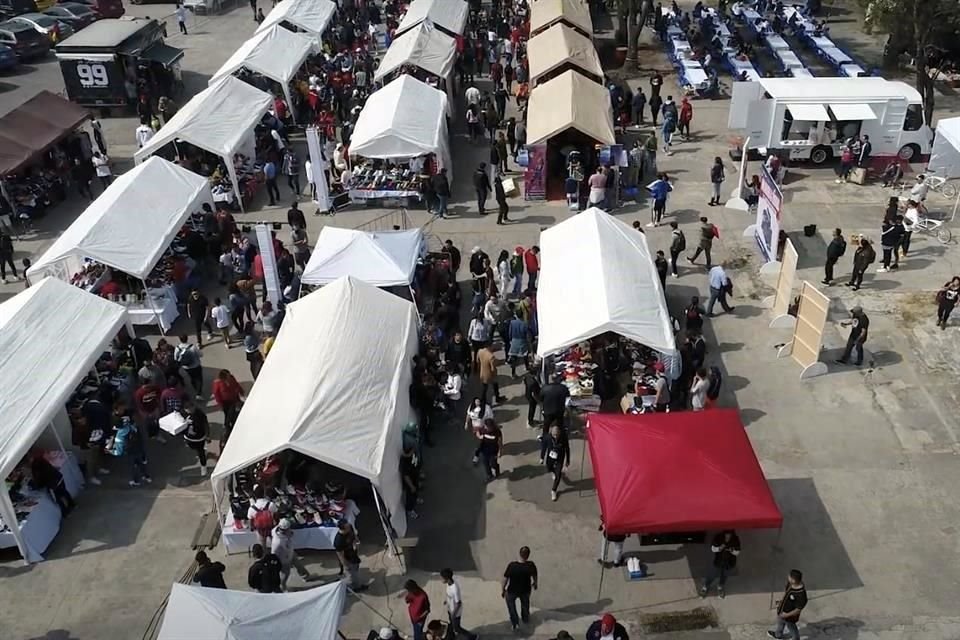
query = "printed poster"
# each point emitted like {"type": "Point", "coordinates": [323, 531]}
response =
{"type": "Point", "coordinates": [535, 175]}
{"type": "Point", "coordinates": [769, 212]}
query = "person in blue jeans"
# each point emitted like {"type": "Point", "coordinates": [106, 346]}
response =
{"type": "Point", "coordinates": [789, 608]}
{"type": "Point", "coordinates": [519, 582]}
{"type": "Point", "coordinates": [718, 289]}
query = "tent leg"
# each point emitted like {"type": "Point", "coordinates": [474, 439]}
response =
{"type": "Point", "coordinates": [387, 529]}
{"type": "Point", "coordinates": [56, 435]}
{"type": "Point", "coordinates": [603, 568]}
{"type": "Point", "coordinates": [150, 301]}
{"type": "Point", "coordinates": [776, 568]}
{"type": "Point", "coordinates": [583, 457]}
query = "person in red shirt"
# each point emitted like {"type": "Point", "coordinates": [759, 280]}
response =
{"type": "Point", "coordinates": [229, 396]}
{"type": "Point", "coordinates": [418, 606]}
{"type": "Point", "coordinates": [110, 288]}
{"type": "Point", "coordinates": [531, 258]}
{"type": "Point", "coordinates": [147, 399]}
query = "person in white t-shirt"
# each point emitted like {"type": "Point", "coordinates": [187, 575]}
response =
{"type": "Point", "coordinates": [453, 385]}
{"type": "Point", "coordinates": [143, 134]}
{"type": "Point", "coordinates": [454, 603]}
{"type": "Point", "coordinates": [221, 315]}
{"type": "Point", "coordinates": [101, 163]}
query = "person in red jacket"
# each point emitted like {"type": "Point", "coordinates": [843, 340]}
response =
{"type": "Point", "coordinates": [229, 396]}
{"type": "Point", "coordinates": [531, 258]}
{"type": "Point", "coordinates": [147, 399]}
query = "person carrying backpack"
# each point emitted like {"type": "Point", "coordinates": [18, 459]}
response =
{"type": "Point", "coordinates": [261, 515]}
{"type": "Point", "coordinates": [708, 231]}
{"type": "Point", "coordinates": [678, 244]}
{"type": "Point", "coordinates": [835, 251]}
{"type": "Point", "coordinates": [263, 575]}
{"type": "Point", "coordinates": [864, 256]}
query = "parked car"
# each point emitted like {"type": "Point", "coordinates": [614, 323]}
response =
{"type": "Point", "coordinates": [55, 30]}
{"type": "Point", "coordinates": [12, 8]}
{"type": "Point", "coordinates": [105, 8]}
{"type": "Point", "coordinates": [8, 58]}
{"type": "Point", "coordinates": [25, 41]}
{"type": "Point", "coordinates": [74, 14]}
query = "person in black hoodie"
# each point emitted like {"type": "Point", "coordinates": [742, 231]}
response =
{"type": "Point", "coordinates": [458, 352]}
{"type": "Point", "coordinates": [502, 207]}
{"type": "Point", "coordinates": [46, 477]}
{"type": "Point", "coordinates": [890, 235]}
{"type": "Point", "coordinates": [725, 548]}
{"type": "Point", "coordinates": [557, 458]}
{"type": "Point", "coordinates": [209, 574]}
{"type": "Point", "coordinates": [835, 251]}
{"type": "Point", "coordinates": [481, 183]}
{"type": "Point", "coordinates": [264, 574]}
{"type": "Point", "coordinates": [531, 391]}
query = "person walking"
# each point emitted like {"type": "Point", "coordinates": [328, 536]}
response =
{"type": "Point", "coordinates": [615, 542]}
{"type": "Point", "coordinates": [531, 260]}
{"type": "Point", "coordinates": [222, 318]}
{"type": "Point", "coordinates": [441, 189]}
{"type": "Point", "coordinates": [263, 576]}
{"type": "Point", "coordinates": [101, 165]}
{"type": "Point", "coordinates": [347, 544]}
{"type": "Point", "coordinates": [531, 392]}
{"type": "Point", "coordinates": [637, 105]}
{"type": "Point", "coordinates": [418, 607]}
{"type": "Point", "coordinates": [655, 103]}
{"type": "Point", "coordinates": [481, 184]}
{"type": "Point", "coordinates": [291, 169]}
{"type": "Point", "coordinates": [846, 163]}
{"type": "Point", "coordinates": [725, 548]}
{"type": "Point", "coordinates": [660, 191]}
{"type": "Point", "coordinates": [197, 434]}
{"type": "Point", "coordinates": [519, 583]}
{"type": "Point", "coordinates": [686, 116]}
{"type": "Point", "coordinates": [503, 208]}
{"type": "Point", "coordinates": [660, 262]}
{"type": "Point", "coordinates": [187, 355]}
{"type": "Point", "coordinates": [209, 574]}
{"type": "Point", "coordinates": [946, 300]}
{"type": "Point", "coordinates": [891, 234]}
{"type": "Point", "coordinates": [557, 457]}
{"type": "Point", "coordinates": [717, 176]}
{"type": "Point", "coordinates": [863, 257]}
{"type": "Point", "coordinates": [698, 389]}
{"type": "Point", "coordinates": [454, 605]}
{"type": "Point", "coordinates": [678, 244]}
{"type": "Point", "coordinates": [491, 443]}
{"type": "Point", "coordinates": [229, 396]}
{"type": "Point", "coordinates": [282, 546]}
{"type": "Point", "coordinates": [181, 13]}
{"type": "Point", "coordinates": [270, 177]}
{"type": "Point", "coordinates": [790, 606]}
{"type": "Point", "coordinates": [859, 324]}
{"type": "Point", "coordinates": [708, 231]}
{"type": "Point", "coordinates": [835, 251]}
{"type": "Point", "coordinates": [720, 286]}
{"type": "Point", "coordinates": [487, 365]}
{"type": "Point", "coordinates": [6, 256]}
{"type": "Point", "coordinates": [198, 310]}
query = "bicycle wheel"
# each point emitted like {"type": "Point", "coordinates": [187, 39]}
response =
{"type": "Point", "coordinates": [944, 235]}
{"type": "Point", "coordinates": [949, 190]}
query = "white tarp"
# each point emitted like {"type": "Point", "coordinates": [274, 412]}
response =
{"type": "Point", "coordinates": [403, 120]}
{"type": "Point", "coordinates": [335, 388]}
{"type": "Point", "coordinates": [275, 53]}
{"type": "Point", "coordinates": [423, 46]}
{"type": "Point", "coordinates": [50, 337]}
{"type": "Point", "coordinates": [310, 15]}
{"type": "Point", "coordinates": [450, 15]}
{"type": "Point", "coordinates": [380, 258]}
{"type": "Point", "coordinates": [199, 613]}
{"type": "Point", "coordinates": [612, 285]}
{"type": "Point", "coordinates": [945, 154]}
{"type": "Point", "coordinates": [219, 119]}
{"type": "Point", "coordinates": [569, 101]}
{"type": "Point", "coordinates": [576, 13]}
{"type": "Point", "coordinates": [131, 224]}
{"type": "Point", "coordinates": [558, 45]}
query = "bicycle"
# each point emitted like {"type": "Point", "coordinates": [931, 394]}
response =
{"type": "Point", "coordinates": [940, 185]}
{"type": "Point", "coordinates": [933, 227]}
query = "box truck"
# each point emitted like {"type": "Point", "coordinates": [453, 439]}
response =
{"type": "Point", "coordinates": [810, 118]}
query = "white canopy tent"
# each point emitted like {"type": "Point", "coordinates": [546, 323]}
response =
{"type": "Point", "coordinates": [334, 388]}
{"type": "Point", "coordinates": [50, 337]}
{"type": "Point", "coordinates": [199, 613]}
{"type": "Point", "coordinates": [220, 119]}
{"type": "Point", "coordinates": [382, 258]}
{"type": "Point", "coordinates": [559, 45]}
{"type": "Point", "coordinates": [131, 224]}
{"type": "Point", "coordinates": [312, 16]}
{"type": "Point", "coordinates": [576, 13]}
{"type": "Point", "coordinates": [422, 46]}
{"type": "Point", "coordinates": [449, 15]}
{"type": "Point", "coordinates": [275, 53]}
{"type": "Point", "coordinates": [569, 101]}
{"type": "Point", "coordinates": [403, 120]}
{"type": "Point", "coordinates": [612, 285]}
{"type": "Point", "coordinates": [945, 154]}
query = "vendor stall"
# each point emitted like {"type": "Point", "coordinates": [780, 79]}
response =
{"type": "Point", "coordinates": [50, 337]}
{"type": "Point", "coordinates": [383, 258]}
{"type": "Point", "coordinates": [450, 16]}
{"type": "Point", "coordinates": [274, 53]}
{"type": "Point", "coordinates": [424, 52]}
{"type": "Point", "coordinates": [133, 228]}
{"type": "Point", "coordinates": [308, 16]}
{"type": "Point", "coordinates": [558, 49]}
{"type": "Point", "coordinates": [220, 120]}
{"type": "Point", "coordinates": [334, 390]}
{"type": "Point", "coordinates": [573, 13]}
{"type": "Point", "coordinates": [404, 126]}
{"type": "Point", "coordinates": [198, 612]}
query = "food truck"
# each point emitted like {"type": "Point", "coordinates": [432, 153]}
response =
{"type": "Point", "coordinates": [111, 61]}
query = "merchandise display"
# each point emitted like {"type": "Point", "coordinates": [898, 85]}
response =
{"type": "Point", "coordinates": [373, 180]}
{"type": "Point", "coordinates": [597, 369]}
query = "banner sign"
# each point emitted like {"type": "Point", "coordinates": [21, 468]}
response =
{"type": "Point", "coordinates": [769, 212]}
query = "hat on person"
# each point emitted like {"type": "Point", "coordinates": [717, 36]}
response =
{"type": "Point", "coordinates": [475, 250]}
{"type": "Point", "coordinates": [284, 524]}
{"type": "Point", "coordinates": [857, 309]}
{"type": "Point", "coordinates": [607, 623]}
{"type": "Point", "coordinates": [386, 633]}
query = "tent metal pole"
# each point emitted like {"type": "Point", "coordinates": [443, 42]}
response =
{"type": "Point", "coordinates": [583, 457]}
{"type": "Point", "coordinates": [776, 568]}
{"type": "Point", "coordinates": [384, 521]}
{"type": "Point", "coordinates": [56, 435]}
{"type": "Point", "coordinates": [156, 313]}
{"type": "Point", "coordinates": [603, 566]}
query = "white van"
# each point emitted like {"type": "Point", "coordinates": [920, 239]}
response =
{"type": "Point", "coordinates": [811, 117]}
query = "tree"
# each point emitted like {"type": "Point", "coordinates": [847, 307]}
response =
{"type": "Point", "coordinates": [923, 28]}
{"type": "Point", "coordinates": [632, 16]}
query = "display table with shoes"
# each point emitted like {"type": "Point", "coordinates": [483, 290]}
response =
{"type": "Point", "coordinates": [304, 537]}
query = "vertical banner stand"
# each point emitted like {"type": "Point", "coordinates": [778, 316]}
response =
{"type": "Point", "coordinates": [779, 303]}
{"type": "Point", "coordinates": [804, 347]}
{"type": "Point", "coordinates": [736, 201]}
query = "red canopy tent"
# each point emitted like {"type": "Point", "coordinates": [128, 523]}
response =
{"type": "Point", "coordinates": [678, 472]}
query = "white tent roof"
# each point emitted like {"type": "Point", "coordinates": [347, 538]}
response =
{"type": "Point", "coordinates": [446, 14]}
{"type": "Point", "coordinates": [310, 15]}
{"type": "Point", "coordinates": [216, 119]}
{"type": "Point", "coordinates": [274, 52]}
{"type": "Point", "coordinates": [543, 13]}
{"type": "Point", "coordinates": [383, 259]}
{"type": "Point", "coordinates": [199, 613]}
{"type": "Point", "coordinates": [422, 46]}
{"type": "Point", "coordinates": [405, 119]}
{"type": "Point", "coordinates": [945, 154]}
{"type": "Point", "coordinates": [560, 44]}
{"type": "Point", "coordinates": [335, 388]}
{"type": "Point", "coordinates": [612, 285]}
{"type": "Point", "coordinates": [133, 222]}
{"type": "Point", "coordinates": [571, 100]}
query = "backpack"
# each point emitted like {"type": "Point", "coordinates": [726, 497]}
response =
{"type": "Point", "coordinates": [255, 575]}
{"type": "Point", "coordinates": [716, 380]}
{"type": "Point", "coordinates": [870, 254]}
{"type": "Point", "coordinates": [262, 520]}
{"type": "Point", "coordinates": [681, 241]}
{"type": "Point", "coordinates": [693, 312]}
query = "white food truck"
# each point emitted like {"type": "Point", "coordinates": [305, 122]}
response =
{"type": "Point", "coordinates": [811, 117]}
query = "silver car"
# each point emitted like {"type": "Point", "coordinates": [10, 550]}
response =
{"type": "Point", "coordinates": [54, 29]}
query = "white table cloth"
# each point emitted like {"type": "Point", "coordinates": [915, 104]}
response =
{"type": "Point", "coordinates": [777, 42]}
{"type": "Point", "coordinates": [852, 70]}
{"type": "Point", "coordinates": [789, 59]}
{"type": "Point", "coordinates": [240, 540]}
{"type": "Point", "coordinates": [800, 72]}
{"type": "Point", "coordinates": [835, 55]}
{"type": "Point", "coordinates": [164, 306]}
{"type": "Point", "coordinates": [822, 42]}
{"type": "Point", "coordinates": [694, 75]}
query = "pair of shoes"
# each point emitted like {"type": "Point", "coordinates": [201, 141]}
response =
{"type": "Point", "coordinates": [515, 627]}
{"type": "Point", "coordinates": [838, 181]}
{"type": "Point", "coordinates": [530, 425]}
{"type": "Point", "coordinates": [882, 270]}
{"type": "Point", "coordinates": [711, 203]}
{"type": "Point", "coordinates": [675, 275]}
{"type": "Point", "coordinates": [729, 310]}
{"type": "Point", "coordinates": [848, 284]}
{"type": "Point", "coordinates": [148, 479]}
{"type": "Point", "coordinates": [826, 282]}
{"type": "Point", "coordinates": [541, 460]}
{"type": "Point", "coordinates": [500, 399]}
{"type": "Point", "coordinates": [856, 287]}
{"type": "Point", "coordinates": [133, 483]}
{"type": "Point", "coordinates": [773, 635]}
{"type": "Point", "coordinates": [943, 326]}
{"type": "Point", "coordinates": [840, 361]}
{"type": "Point", "coordinates": [690, 260]}
{"type": "Point", "coordinates": [651, 225]}
{"type": "Point", "coordinates": [553, 496]}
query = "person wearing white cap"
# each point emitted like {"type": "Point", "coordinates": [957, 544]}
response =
{"type": "Point", "coordinates": [282, 546]}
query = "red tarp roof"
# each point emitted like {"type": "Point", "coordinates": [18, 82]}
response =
{"type": "Point", "coordinates": [34, 126]}
{"type": "Point", "coordinates": [678, 472]}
